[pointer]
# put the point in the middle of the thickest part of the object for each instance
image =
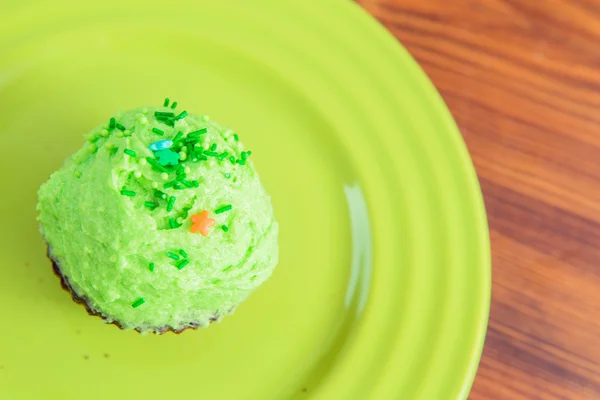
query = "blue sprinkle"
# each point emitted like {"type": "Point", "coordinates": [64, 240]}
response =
{"type": "Point", "coordinates": [161, 145]}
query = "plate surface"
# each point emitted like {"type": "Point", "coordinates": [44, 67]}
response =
{"type": "Point", "coordinates": [382, 291]}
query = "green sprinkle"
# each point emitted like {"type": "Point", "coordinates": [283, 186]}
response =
{"type": "Point", "coordinates": [160, 195]}
{"type": "Point", "coordinates": [183, 253]}
{"type": "Point", "coordinates": [173, 256]}
{"type": "Point", "coordinates": [213, 147]}
{"type": "Point", "coordinates": [174, 105]}
{"type": "Point", "coordinates": [223, 209]}
{"type": "Point", "coordinates": [156, 164]}
{"type": "Point", "coordinates": [232, 159]}
{"type": "Point", "coordinates": [138, 302]}
{"type": "Point", "coordinates": [181, 177]}
{"type": "Point", "coordinates": [163, 115]}
{"type": "Point", "coordinates": [191, 140]}
{"type": "Point", "coordinates": [130, 152]}
{"type": "Point", "coordinates": [151, 267]}
{"type": "Point", "coordinates": [181, 115]}
{"type": "Point", "coordinates": [172, 223]}
{"type": "Point", "coordinates": [158, 131]}
{"type": "Point", "coordinates": [186, 183]}
{"type": "Point", "coordinates": [223, 155]}
{"type": "Point", "coordinates": [228, 175]}
{"type": "Point", "coordinates": [244, 155]}
{"type": "Point", "coordinates": [181, 264]}
{"type": "Point", "coordinates": [225, 228]}
{"type": "Point", "coordinates": [177, 137]}
{"type": "Point", "coordinates": [249, 152]}
{"type": "Point", "coordinates": [241, 162]}
{"type": "Point", "coordinates": [195, 183]}
{"type": "Point", "coordinates": [166, 103]}
{"type": "Point", "coordinates": [150, 204]}
{"type": "Point", "coordinates": [236, 137]}
{"type": "Point", "coordinates": [170, 184]}
{"type": "Point", "coordinates": [120, 127]}
{"type": "Point", "coordinates": [171, 203]}
{"type": "Point", "coordinates": [211, 153]}
{"type": "Point", "coordinates": [129, 193]}
{"type": "Point", "coordinates": [197, 133]}
{"type": "Point", "coordinates": [112, 124]}
{"type": "Point", "coordinates": [180, 170]}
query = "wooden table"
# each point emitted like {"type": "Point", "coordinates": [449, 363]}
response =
{"type": "Point", "coordinates": [522, 79]}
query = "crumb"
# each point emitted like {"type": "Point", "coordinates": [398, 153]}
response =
{"type": "Point", "coordinates": [86, 357]}
{"type": "Point", "coordinates": [304, 390]}
{"type": "Point", "coordinates": [106, 355]}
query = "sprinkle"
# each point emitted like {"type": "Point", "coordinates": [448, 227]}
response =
{"type": "Point", "coordinates": [171, 203]}
{"type": "Point", "coordinates": [249, 152]}
{"type": "Point", "coordinates": [112, 124]}
{"type": "Point", "coordinates": [241, 162]}
{"type": "Point", "coordinates": [181, 264]}
{"type": "Point", "coordinates": [163, 115]}
{"type": "Point", "coordinates": [195, 183]}
{"type": "Point", "coordinates": [211, 153]}
{"type": "Point", "coordinates": [170, 184]}
{"type": "Point", "coordinates": [120, 127]}
{"type": "Point", "coordinates": [182, 155]}
{"type": "Point", "coordinates": [178, 137]}
{"type": "Point", "coordinates": [173, 256]}
{"type": "Point", "coordinates": [180, 170]}
{"type": "Point", "coordinates": [187, 183]}
{"type": "Point", "coordinates": [130, 152]}
{"type": "Point", "coordinates": [232, 159]}
{"type": "Point", "coordinates": [182, 115]}
{"type": "Point", "coordinates": [213, 147]}
{"type": "Point", "coordinates": [160, 145]}
{"type": "Point", "coordinates": [156, 164]}
{"type": "Point", "coordinates": [174, 105]}
{"type": "Point", "coordinates": [167, 157]}
{"type": "Point", "coordinates": [197, 133]}
{"type": "Point", "coordinates": [221, 210]}
{"type": "Point", "coordinates": [236, 137]}
{"type": "Point", "coordinates": [225, 228]}
{"type": "Point", "coordinates": [150, 204]}
{"type": "Point", "coordinates": [151, 267]}
{"type": "Point", "coordinates": [183, 253]}
{"type": "Point", "coordinates": [223, 155]}
{"type": "Point", "coordinates": [158, 131]}
{"type": "Point", "coordinates": [160, 195]}
{"type": "Point", "coordinates": [129, 193]}
{"type": "Point", "coordinates": [172, 223]}
{"type": "Point", "coordinates": [166, 103]}
{"type": "Point", "coordinates": [138, 302]}
{"type": "Point", "coordinates": [181, 177]}
{"type": "Point", "coordinates": [201, 222]}
{"type": "Point", "coordinates": [244, 155]}
{"type": "Point", "coordinates": [228, 175]}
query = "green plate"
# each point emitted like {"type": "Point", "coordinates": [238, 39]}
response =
{"type": "Point", "coordinates": [383, 287]}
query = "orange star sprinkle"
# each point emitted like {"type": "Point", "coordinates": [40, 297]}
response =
{"type": "Point", "coordinates": [201, 222]}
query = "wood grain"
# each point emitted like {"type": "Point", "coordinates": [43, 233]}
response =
{"type": "Point", "coordinates": [522, 79]}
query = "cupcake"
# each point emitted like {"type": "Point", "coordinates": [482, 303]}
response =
{"type": "Point", "coordinates": [159, 222]}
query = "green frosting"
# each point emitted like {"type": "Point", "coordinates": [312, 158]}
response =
{"type": "Point", "coordinates": [116, 247]}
